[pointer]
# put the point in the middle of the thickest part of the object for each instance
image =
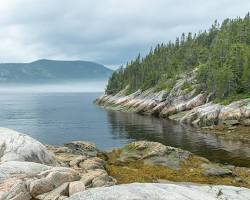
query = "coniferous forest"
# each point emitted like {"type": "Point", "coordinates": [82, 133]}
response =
{"type": "Point", "coordinates": [220, 57]}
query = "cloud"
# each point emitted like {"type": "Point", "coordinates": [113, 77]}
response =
{"type": "Point", "coordinates": [110, 32]}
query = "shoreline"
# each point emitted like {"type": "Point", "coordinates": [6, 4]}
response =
{"type": "Point", "coordinates": [230, 122]}
{"type": "Point", "coordinates": [34, 171]}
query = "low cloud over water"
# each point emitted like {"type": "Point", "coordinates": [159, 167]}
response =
{"type": "Point", "coordinates": [87, 86]}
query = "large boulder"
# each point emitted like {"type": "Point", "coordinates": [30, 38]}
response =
{"type": "Point", "coordinates": [15, 146]}
{"type": "Point", "coordinates": [149, 191]}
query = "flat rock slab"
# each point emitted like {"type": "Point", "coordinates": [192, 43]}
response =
{"type": "Point", "coordinates": [154, 191]}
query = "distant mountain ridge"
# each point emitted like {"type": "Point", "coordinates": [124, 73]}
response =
{"type": "Point", "coordinates": [47, 71]}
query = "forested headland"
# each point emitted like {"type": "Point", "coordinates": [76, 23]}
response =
{"type": "Point", "coordinates": [219, 56]}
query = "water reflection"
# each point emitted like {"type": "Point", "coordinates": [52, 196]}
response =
{"type": "Point", "coordinates": [136, 127]}
{"type": "Point", "coordinates": [57, 118]}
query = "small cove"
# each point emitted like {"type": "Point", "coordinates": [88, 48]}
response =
{"type": "Point", "coordinates": [57, 118]}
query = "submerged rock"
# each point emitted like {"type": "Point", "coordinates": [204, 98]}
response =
{"type": "Point", "coordinates": [151, 191]}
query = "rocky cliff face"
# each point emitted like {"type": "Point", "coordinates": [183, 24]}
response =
{"type": "Point", "coordinates": [183, 103]}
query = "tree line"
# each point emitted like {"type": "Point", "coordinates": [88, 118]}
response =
{"type": "Point", "coordinates": [221, 56]}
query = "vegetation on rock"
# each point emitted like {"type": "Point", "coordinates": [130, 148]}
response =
{"type": "Point", "coordinates": [127, 165]}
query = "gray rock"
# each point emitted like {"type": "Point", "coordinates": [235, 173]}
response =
{"type": "Point", "coordinates": [62, 197]}
{"type": "Point", "coordinates": [91, 169]}
{"type": "Point", "coordinates": [231, 122]}
{"type": "Point", "coordinates": [154, 191]}
{"type": "Point", "coordinates": [245, 122]}
{"type": "Point", "coordinates": [215, 170]}
{"type": "Point", "coordinates": [15, 146]}
{"type": "Point", "coordinates": [82, 148]}
{"type": "Point", "coordinates": [97, 178]}
{"type": "Point", "coordinates": [75, 187]}
{"type": "Point", "coordinates": [52, 179]}
{"type": "Point", "coordinates": [101, 180]}
{"type": "Point", "coordinates": [75, 162]}
{"type": "Point", "coordinates": [18, 192]}
{"type": "Point", "coordinates": [92, 163]}
{"type": "Point", "coordinates": [62, 190]}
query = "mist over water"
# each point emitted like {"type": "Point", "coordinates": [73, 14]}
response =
{"type": "Point", "coordinates": [84, 86]}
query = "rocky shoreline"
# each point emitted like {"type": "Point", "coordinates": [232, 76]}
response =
{"type": "Point", "coordinates": [189, 108]}
{"type": "Point", "coordinates": [78, 170]}
{"type": "Point", "coordinates": [185, 102]}
{"type": "Point", "coordinates": [186, 105]}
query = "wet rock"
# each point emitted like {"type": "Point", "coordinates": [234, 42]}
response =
{"type": "Point", "coordinates": [15, 146]}
{"type": "Point", "coordinates": [153, 153]}
{"type": "Point", "coordinates": [83, 148]}
{"type": "Point", "coordinates": [216, 170]}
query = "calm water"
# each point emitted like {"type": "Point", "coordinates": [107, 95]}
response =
{"type": "Point", "coordinates": [57, 118]}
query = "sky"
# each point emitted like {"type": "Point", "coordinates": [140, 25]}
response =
{"type": "Point", "coordinates": [110, 32]}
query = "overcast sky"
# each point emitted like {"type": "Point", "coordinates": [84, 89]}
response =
{"type": "Point", "coordinates": [110, 32]}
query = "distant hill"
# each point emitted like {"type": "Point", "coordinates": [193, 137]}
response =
{"type": "Point", "coordinates": [49, 71]}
